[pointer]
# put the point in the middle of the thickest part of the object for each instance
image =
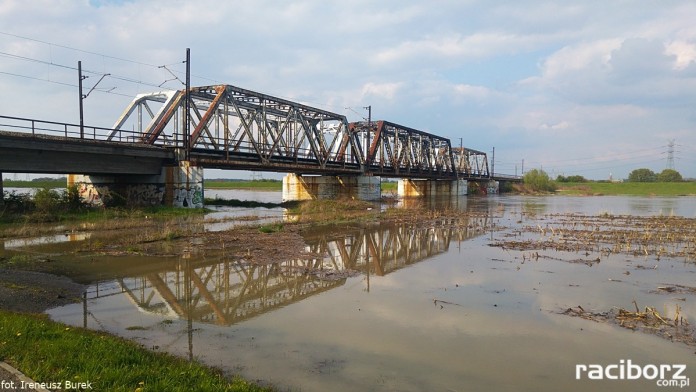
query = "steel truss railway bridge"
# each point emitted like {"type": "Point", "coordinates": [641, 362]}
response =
{"type": "Point", "coordinates": [159, 146]}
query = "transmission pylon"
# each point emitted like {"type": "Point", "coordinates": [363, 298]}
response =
{"type": "Point", "coordinates": [670, 154]}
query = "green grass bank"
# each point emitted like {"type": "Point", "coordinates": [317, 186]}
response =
{"type": "Point", "coordinates": [48, 351]}
{"type": "Point", "coordinates": [628, 188]}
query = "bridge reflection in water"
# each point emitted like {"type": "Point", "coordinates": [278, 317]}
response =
{"type": "Point", "coordinates": [231, 291]}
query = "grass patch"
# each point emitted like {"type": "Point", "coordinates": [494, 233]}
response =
{"type": "Point", "coordinates": [629, 188]}
{"type": "Point", "coordinates": [19, 260]}
{"type": "Point", "coordinates": [14, 286]}
{"type": "Point", "coordinates": [334, 211]}
{"type": "Point", "coordinates": [44, 183]}
{"type": "Point", "coordinates": [9, 222]}
{"type": "Point", "coordinates": [271, 228]}
{"type": "Point", "coordinates": [136, 328]}
{"type": "Point", "coordinates": [389, 186]}
{"type": "Point", "coordinates": [46, 351]}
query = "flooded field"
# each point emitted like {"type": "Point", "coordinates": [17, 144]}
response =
{"type": "Point", "coordinates": [510, 295]}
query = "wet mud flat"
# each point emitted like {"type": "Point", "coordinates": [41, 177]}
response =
{"type": "Point", "coordinates": [642, 241]}
{"type": "Point", "coordinates": [30, 291]}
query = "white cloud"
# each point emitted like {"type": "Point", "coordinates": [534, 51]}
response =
{"type": "Point", "coordinates": [557, 126]}
{"type": "Point", "coordinates": [383, 90]}
{"type": "Point", "coordinates": [475, 92]}
{"type": "Point", "coordinates": [683, 52]}
{"type": "Point", "coordinates": [453, 47]}
{"type": "Point", "coordinates": [579, 57]}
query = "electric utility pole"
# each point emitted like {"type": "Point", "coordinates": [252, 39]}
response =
{"type": "Point", "coordinates": [369, 129]}
{"type": "Point", "coordinates": [82, 115]}
{"type": "Point", "coordinates": [187, 105]}
{"type": "Point", "coordinates": [80, 78]}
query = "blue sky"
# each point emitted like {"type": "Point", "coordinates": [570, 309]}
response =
{"type": "Point", "coordinates": [592, 88]}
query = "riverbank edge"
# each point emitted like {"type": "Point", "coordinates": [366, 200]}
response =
{"type": "Point", "coordinates": [51, 352]}
{"type": "Point", "coordinates": [25, 295]}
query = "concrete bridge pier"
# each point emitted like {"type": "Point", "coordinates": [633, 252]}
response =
{"type": "Point", "coordinates": [298, 187]}
{"type": "Point", "coordinates": [493, 187]}
{"type": "Point", "coordinates": [177, 186]}
{"type": "Point", "coordinates": [420, 188]}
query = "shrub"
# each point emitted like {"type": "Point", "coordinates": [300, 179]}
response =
{"type": "Point", "coordinates": [571, 179]}
{"type": "Point", "coordinates": [538, 181]}
{"type": "Point", "coordinates": [669, 175]}
{"type": "Point", "coordinates": [17, 202]}
{"type": "Point", "coordinates": [642, 175]}
{"type": "Point", "coordinates": [46, 200]}
{"type": "Point", "coordinates": [71, 199]}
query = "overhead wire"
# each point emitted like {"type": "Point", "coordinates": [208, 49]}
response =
{"type": "Point", "coordinates": [151, 84]}
{"type": "Point", "coordinates": [84, 70]}
{"type": "Point", "coordinates": [632, 158]}
{"type": "Point", "coordinates": [76, 49]}
{"type": "Point", "coordinates": [34, 78]}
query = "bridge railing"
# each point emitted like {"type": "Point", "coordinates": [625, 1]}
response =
{"type": "Point", "coordinates": [64, 130]}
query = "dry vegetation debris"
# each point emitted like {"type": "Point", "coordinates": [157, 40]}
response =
{"type": "Point", "coordinates": [658, 236]}
{"type": "Point", "coordinates": [676, 329]}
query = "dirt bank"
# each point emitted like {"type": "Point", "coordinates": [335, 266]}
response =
{"type": "Point", "coordinates": [28, 291]}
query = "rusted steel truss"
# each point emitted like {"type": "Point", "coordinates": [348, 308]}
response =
{"type": "Point", "coordinates": [399, 151]}
{"type": "Point", "coordinates": [471, 163]}
{"type": "Point", "coordinates": [236, 128]}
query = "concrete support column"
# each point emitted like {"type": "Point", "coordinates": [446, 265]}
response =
{"type": "Point", "coordinates": [421, 188]}
{"type": "Point", "coordinates": [2, 192]}
{"type": "Point", "coordinates": [493, 187]}
{"type": "Point", "coordinates": [183, 185]}
{"type": "Point", "coordinates": [297, 187]}
{"type": "Point", "coordinates": [178, 186]}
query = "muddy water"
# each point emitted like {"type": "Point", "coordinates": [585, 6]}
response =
{"type": "Point", "coordinates": [257, 215]}
{"type": "Point", "coordinates": [403, 307]}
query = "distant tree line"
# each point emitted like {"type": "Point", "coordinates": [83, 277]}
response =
{"type": "Point", "coordinates": [56, 179]}
{"type": "Point", "coordinates": [638, 175]}
{"type": "Point", "coordinates": [539, 181]}
{"type": "Point", "coordinates": [647, 175]}
{"type": "Point", "coordinates": [571, 179]}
